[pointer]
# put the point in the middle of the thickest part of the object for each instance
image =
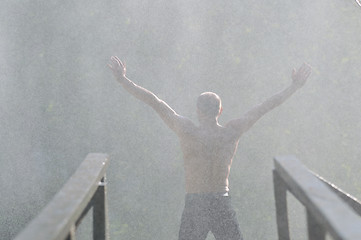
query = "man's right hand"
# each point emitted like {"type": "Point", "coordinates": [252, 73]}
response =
{"type": "Point", "coordinates": [118, 68]}
{"type": "Point", "coordinates": [299, 77]}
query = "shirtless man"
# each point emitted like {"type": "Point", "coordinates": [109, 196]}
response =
{"type": "Point", "coordinates": [208, 150]}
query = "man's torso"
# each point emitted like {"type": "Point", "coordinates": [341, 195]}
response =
{"type": "Point", "coordinates": [208, 154]}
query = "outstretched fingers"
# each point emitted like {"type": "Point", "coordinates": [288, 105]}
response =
{"type": "Point", "coordinates": [308, 73]}
{"type": "Point", "coordinates": [300, 76]}
{"type": "Point", "coordinates": [119, 62]}
{"type": "Point", "coordinates": [305, 70]}
{"type": "Point", "coordinates": [117, 66]}
{"type": "Point", "coordinates": [294, 72]}
{"type": "Point", "coordinates": [114, 60]}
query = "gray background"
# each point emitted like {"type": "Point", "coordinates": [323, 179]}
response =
{"type": "Point", "coordinates": [59, 101]}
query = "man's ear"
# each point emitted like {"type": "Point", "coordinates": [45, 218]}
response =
{"type": "Point", "coordinates": [220, 111]}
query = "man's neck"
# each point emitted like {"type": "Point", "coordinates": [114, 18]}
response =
{"type": "Point", "coordinates": [208, 123]}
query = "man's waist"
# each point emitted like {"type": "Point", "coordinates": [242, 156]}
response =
{"type": "Point", "coordinates": [221, 187]}
{"type": "Point", "coordinates": [208, 194]}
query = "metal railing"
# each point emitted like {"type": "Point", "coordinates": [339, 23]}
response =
{"type": "Point", "coordinates": [85, 189]}
{"type": "Point", "coordinates": [328, 209]}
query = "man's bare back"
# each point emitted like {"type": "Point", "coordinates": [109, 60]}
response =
{"type": "Point", "coordinates": [208, 153]}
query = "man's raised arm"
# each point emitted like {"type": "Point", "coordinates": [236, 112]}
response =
{"type": "Point", "coordinates": [169, 116]}
{"type": "Point", "coordinates": [299, 78]}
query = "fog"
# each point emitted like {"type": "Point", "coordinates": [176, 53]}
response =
{"type": "Point", "coordinates": [59, 101]}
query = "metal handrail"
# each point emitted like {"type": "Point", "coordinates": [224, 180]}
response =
{"type": "Point", "coordinates": [326, 211]}
{"type": "Point", "coordinates": [353, 202]}
{"type": "Point", "coordinates": [84, 190]}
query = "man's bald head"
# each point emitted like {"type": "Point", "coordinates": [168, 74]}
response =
{"type": "Point", "coordinates": [209, 104]}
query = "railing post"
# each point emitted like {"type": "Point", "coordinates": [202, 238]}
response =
{"type": "Point", "coordinates": [280, 192]}
{"type": "Point", "coordinates": [100, 212]}
{"type": "Point", "coordinates": [315, 230]}
{"type": "Point", "coordinates": [71, 235]}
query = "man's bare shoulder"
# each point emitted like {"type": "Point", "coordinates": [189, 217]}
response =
{"type": "Point", "coordinates": [235, 127]}
{"type": "Point", "coordinates": [185, 126]}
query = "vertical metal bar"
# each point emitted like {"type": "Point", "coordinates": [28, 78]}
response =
{"type": "Point", "coordinates": [280, 192]}
{"type": "Point", "coordinates": [315, 230]}
{"type": "Point", "coordinates": [100, 212]}
{"type": "Point", "coordinates": [71, 235]}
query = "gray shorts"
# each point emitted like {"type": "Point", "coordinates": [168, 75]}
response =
{"type": "Point", "coordinates": [209, 212]}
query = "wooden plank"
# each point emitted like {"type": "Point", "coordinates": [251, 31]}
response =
{"type": "Point", "coordinates": [57, 218]}
{"type": "Point", "coordinates": [326, 207]}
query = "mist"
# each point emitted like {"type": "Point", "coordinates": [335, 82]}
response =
{"type": "Point", "coordinates": [59, 101]}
